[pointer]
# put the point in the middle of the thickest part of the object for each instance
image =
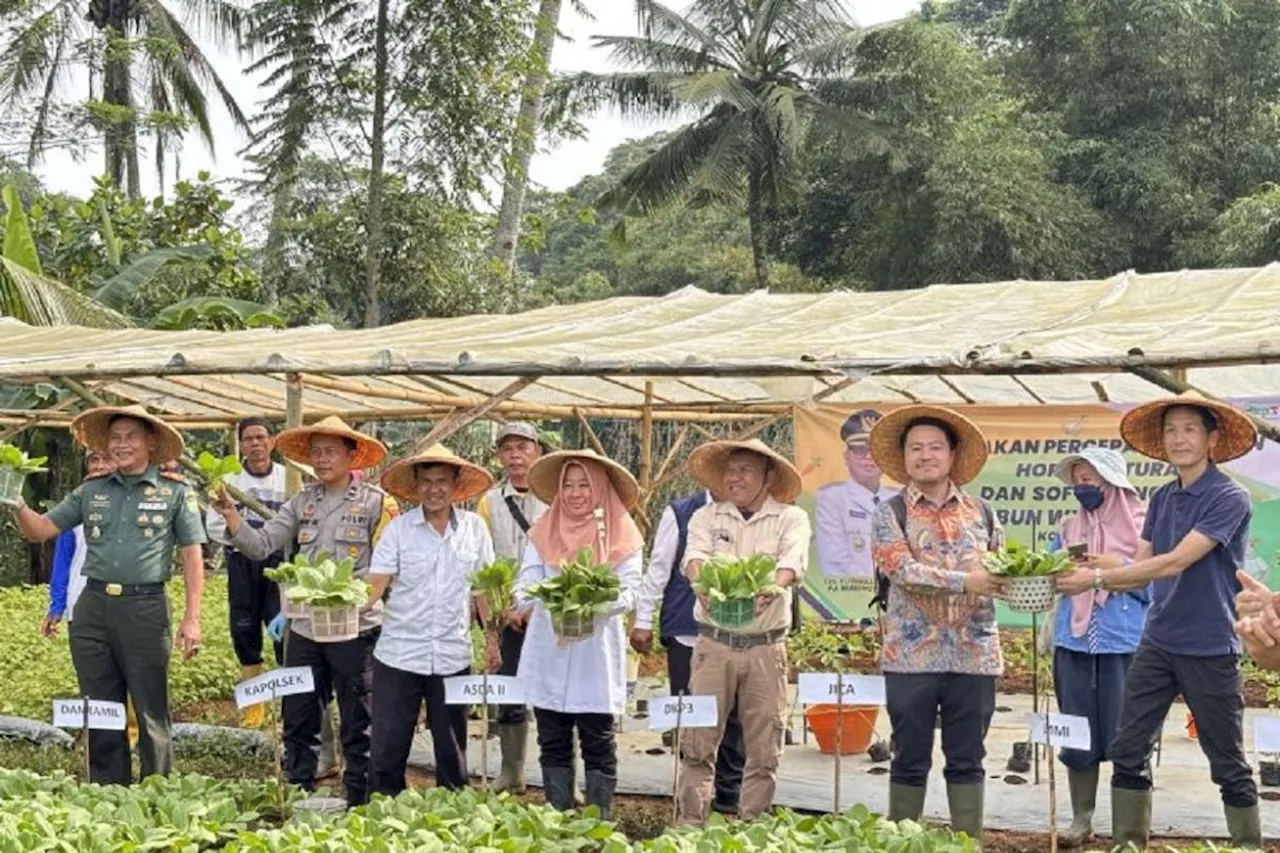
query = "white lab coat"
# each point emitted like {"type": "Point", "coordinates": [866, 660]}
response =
{"type": "Point", "coordinates": [587, 676]}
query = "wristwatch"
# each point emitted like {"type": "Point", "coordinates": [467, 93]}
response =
{"type": "Point", "coordinates": [1097, 579]}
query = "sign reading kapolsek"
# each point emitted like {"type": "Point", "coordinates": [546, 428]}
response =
{"type": "Point", "coordinates": [474, 689]}
{"type": "Point", "coordinates": [274, 684]}
{"type": "Point", "coordinates": [101, 715]}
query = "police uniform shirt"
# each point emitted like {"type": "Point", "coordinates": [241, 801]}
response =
{"type": "Point", "coordinates": [132, 524]}
{"type": "Point", "coordinates": [341, 524]}
{"type": "Point", "coordinates": [843, 528]}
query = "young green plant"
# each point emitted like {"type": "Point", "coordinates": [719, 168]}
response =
{"type": "Point", "coordinates": [1016, 560]}
{"type": "Point", "coordinates": [216, 470]}
{"type": "Point", "coordinates": [328, 583]}
{"type": "Point", "coordinates": [580, 591]}
{"type": "Point", "coordinates": [14, 458]}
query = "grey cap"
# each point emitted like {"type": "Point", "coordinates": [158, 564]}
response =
{"type": "Point", "coordinates": [520, 429]}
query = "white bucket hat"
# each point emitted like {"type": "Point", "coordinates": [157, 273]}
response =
{"type": "Point", "coordinates": [1109, 464]}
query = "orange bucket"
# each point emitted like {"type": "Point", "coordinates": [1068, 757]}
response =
{"type": "Point", "coordinates": [857, 726]}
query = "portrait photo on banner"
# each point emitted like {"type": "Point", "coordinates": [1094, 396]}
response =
{"type": "Point", "coordinates": [843, 486]}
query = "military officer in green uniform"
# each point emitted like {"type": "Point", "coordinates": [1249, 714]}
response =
{"type": "Point", "coordinates": [133, 519]}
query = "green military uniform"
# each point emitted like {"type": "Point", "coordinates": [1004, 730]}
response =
{"type": "Point", "coordinates": [120, 630]}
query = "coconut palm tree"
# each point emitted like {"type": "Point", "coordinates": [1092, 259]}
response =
{"type": "Point", "coordinates": [142, 59]}
{"type": "Point", "coordinates": [756, 76]}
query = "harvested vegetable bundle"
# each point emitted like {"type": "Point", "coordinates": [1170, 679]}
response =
{"type": "Point", "coordinates": [1030, 574]}
{"type": "Point", "coordinates": [15, 465]}
{"type": "Point", "coordinates": [496, 584]}
{"type": "Point", "coordinates": [573, 597]}
{"type": "Point", "coordinates": [332, 595]}
{"type": "Point", "coordinates": [731, 585]}
{"type": "Point", "coordinates": [216, 470]}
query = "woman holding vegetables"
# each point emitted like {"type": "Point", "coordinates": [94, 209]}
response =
{"type": "Point", "coordinates": [1096, 632]}
{"type": "Point", "coordinates": [578, 683]}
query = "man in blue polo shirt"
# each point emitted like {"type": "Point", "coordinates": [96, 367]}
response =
{"type": "Point", "coordinates": [1193, 543]}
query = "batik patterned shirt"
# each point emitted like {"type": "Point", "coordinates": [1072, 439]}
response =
{"type": "Point", "coordinates": [931, 624]}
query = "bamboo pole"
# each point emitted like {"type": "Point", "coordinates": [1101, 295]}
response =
{"type": "Point", "coordinates": [442, 431]}
{"type": "Point", "coordinates": [590, 433]}
{"type": "Point", "coordinates": [681, 437]}
{"type": "Point", "coordinates": [293, 418]}
{"type": "Point", "coordinates": [1173, 384]}
{"type": "Point", "coordinates": [646, 441]}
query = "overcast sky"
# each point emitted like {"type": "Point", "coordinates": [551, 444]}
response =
{"type": "Point", "coordinates": [555, 169]}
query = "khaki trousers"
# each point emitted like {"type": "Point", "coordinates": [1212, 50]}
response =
{"type": "Point", "coordinates": [757, 679]}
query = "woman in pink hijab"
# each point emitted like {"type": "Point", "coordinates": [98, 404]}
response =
{"type": "Point", "coordinates": [1096, 632]}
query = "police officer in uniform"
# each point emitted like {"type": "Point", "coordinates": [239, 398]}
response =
{"type": "Point", "coordinates": [844, 509]}
{"type": "Point", "coordinates": [133, 518]}
{"type": "Point", "coordinates": [340, 516]}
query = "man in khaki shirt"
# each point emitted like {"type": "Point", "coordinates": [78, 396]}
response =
{"type": "Point", "coordinates": [748, 664]}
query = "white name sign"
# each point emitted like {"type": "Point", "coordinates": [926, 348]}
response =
{"type": "Point", "coordinates": [1060, 730]}
{"type": "Point", "coordinates": [470, 690]}
{"type": "Point", "coordinates": [274, 684]}
{"type": "Point", "coordinates": [820, 688]}
{"type": "Point", "coordinates": [692, 712]}
{"type": "Point", "coordinates": [1266, 734]}
{"type": "Point", "coordinates": [103, 715]}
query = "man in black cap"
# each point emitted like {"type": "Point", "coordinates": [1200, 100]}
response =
{"type": "Point", "coordinates": [844, 509]}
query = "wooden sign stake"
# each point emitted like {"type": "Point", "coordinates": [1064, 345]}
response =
{"type": "Point", "coordinates": [839, 736]}
{"type": "Point", "coordinates": [1053, 792]}
{"type": "Point", "coordinates": [275, 756]}
{"type": "Point", "coordinates": [88, 765]}
{"type": "Point", "coordinates": [484, 728]}
{"type": "Point", "coordinates": [675, 770]}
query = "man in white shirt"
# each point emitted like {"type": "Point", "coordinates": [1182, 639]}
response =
{"type": "Point", "coordinates": [253, 600]}
{"type": "Point", "coordinates": [843, 510]}
{"type": "Point", "coordinates": [425, 558]}
{"type": "Point", "coordinates": [679, 631]}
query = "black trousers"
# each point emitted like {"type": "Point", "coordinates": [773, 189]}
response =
{"type": "Point", "coordinates": [511, 643]}
{"type": "Point", "coordinates": [595, 734]}
{"type": "Point", "coordinates": [1090, 686]}
{"type": "Point", "coordinates": [120, 648]}
{"type": "Point", "coordinates": [344, 668]}
{"type": "Point", "coordinates": [732, 755]}
{"type": "Point", "coordinates": [1212, 687]}
{"type": "Point", "coordinates": [397, 697]}
{"type": "Point", "coordinates": [253, 602]}
{"type": "Point", "coordinates": [914, 701]}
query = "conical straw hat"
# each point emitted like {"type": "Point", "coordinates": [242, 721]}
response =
{"type": "Point", "coordinates": [707, 464]}
{"type": "Point", "coordinates": [295, 443]}
{"type": "Point", "coordinates": [401, 478]}
{"type": "Point", "coordinates": [90, 429]}
{"type": "Point", "coordinates": [968, 457]}
{"type": "Point", "coordinates": [1143, 427]}
{"type": "Point", "coordinates": [544, 476]}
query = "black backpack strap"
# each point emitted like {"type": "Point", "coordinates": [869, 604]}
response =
{"type": "Point", "coordinates": [514, 509]}
{"type": "Point", "coordinates": [898, 506]}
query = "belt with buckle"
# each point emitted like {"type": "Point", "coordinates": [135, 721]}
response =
{"type": "Point", "coordinates": [116, 590]}
{"type": "Point", "coordinates": [738, 642]}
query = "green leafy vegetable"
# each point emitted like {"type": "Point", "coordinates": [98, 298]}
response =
{"type": "Point", "coordinates": [216, 469]}
{"type": "Point", "coordinates": [326, 583]}
{"type": "Point", "coordinates": [496, 583]}
{"type": "Point", "coordinates": [723, 578]}
{"type": "Point", "coordinates": [286, 573]}
{"type": "Point", "coordinates": [16, 459]}
{"type": "Point", "coordinates": [581, 586]}
{"type": "Point", "coordinates": [1016, 560]}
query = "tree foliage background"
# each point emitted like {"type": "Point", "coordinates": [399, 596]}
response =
{"type": "Point", "coordinates": [1014, 139]}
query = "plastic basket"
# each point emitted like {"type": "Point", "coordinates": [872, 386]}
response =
{"type": "Point", "coordinates": [1031, 595]}
{"type": "Point", "coordinates": [573, 626]}
{"type": "Point", "coordinates": [334, 624]}
{"type": "Point", "coordinates": [734, 612]}
{"type": "Point", "coordinates": [291, 609]}
{"type": "Point", "coordinates": [11, 486]}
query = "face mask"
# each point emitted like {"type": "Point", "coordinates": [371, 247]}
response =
{"type": "Point", "coordinates": [1090, 497]}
